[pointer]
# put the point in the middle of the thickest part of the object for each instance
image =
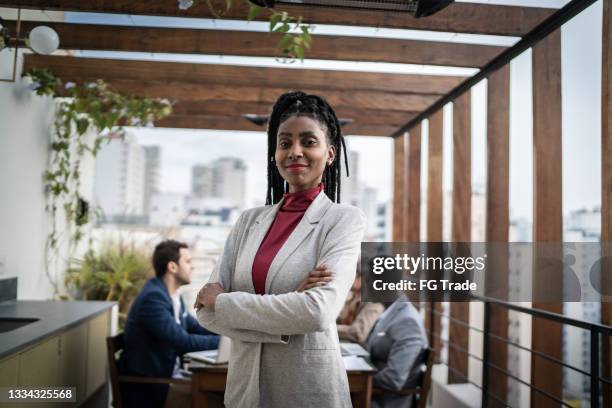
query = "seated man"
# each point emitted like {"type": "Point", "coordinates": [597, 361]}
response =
{"type": "Point", "coordinates": [158, 328]}
{"type": "Point", "coordinates": [357, 318]}
{"type": "Point", "coordinates": [396, 344]}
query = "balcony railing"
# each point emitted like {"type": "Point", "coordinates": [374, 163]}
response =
{"type": "Point", "coordinates": [596, 332]}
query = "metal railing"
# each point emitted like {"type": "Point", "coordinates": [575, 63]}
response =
{"type": "Point", "coordinates": [595, 330]}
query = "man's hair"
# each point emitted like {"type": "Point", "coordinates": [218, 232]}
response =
{"type": "Point", "coordinates": [166, 251]}
{"type": "Point", "coordinates": [297, 103]}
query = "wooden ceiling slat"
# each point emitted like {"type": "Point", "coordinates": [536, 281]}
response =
{"type": "Point", "coordinates": [196, 92]}
{"type": "Point", "coordinates": [244, 43]}
{"type": "Point", "coordinates": [289, 78]}
{"type": "Point", "coordinates": [230, 123]}
{"type": "Point", "coordinates": [237, 108]}
{"type": "Point", "coordinates": [458, 17]}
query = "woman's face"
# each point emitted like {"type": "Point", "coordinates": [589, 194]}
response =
{"type": "Point", "coordinates": [302, 152]}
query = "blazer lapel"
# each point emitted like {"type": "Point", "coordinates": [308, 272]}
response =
{"type": "Point", "coordinates": [257, 232]}
{"type": "Point", "coordinates": [311, 217]}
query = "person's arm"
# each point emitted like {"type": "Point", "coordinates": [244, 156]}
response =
{"type": "Point", "coordinates": [158, 320]}
{"type": "Point", "coordinates": [361, 326]}
{"type": "Point", "coordinates": [222, 273]}
{"type": "Point", "coordinates": [302, 312]}
{"type": "Point", "coordinates": [405, 349]}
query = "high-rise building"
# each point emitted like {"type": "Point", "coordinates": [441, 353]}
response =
{"type": "Point", "coordinates": [229, 181]}
{"type": "Point", "coordinates": [152, 175]}
{"type": "Point", "coordinates": [224, 178]}
{"type": "Point", "coordinates": [202, 181]}
{"type": "Point", "coordinates": [119, 185]}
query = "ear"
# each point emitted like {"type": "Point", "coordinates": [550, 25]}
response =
{"type": "Point", "coordinates": [331, 154]}
{"type": "Point", "coordinates": [171, 267]}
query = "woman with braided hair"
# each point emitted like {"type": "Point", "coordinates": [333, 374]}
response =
{"type": "Point", "coordinates": [287, 268]}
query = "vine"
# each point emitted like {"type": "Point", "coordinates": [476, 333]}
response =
{"type": "Point", "coordinates": [90, 108]}
{"type": "Point", "coordinates": [291, 45]}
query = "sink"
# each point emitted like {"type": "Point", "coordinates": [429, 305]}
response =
{"type": "Point", "coordinates": [8, 324]}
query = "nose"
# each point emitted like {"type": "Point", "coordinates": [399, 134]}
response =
{"type": "Point", "coordinates": [295, 151]}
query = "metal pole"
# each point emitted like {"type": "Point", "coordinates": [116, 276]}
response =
{"type": "Point", "coordinates": [594, 368]}
{"type": "Point", "coordinates": [486, 351]}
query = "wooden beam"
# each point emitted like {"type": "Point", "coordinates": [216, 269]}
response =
{"type": "Point", "coordinates": [606, 195]}
{"type": "Point", "coordinates": [412, 227]}
{"type": "Point", "coordinates": [258, 44]}
{"type": "Point", "coordinates": [186, 91]}
{"type": "Point", "coordinates": [461, 229]}
{"type": "Point", "coordinates": [234, 123]}
{"type": "Point", "coordinates": [458, 17]}
{"type": "Point", "coordinates": [434, 208]}
{"type": "Point", "coordinates": [497, 220]}
{"type": "Point", "coordinates": [212, 74]}
{"type": "Point", "coordinates": [547, 212]}
{"type": "Point", "coordinates": [238, 108]}
{"type": "Point", "coordinates": [399, 188]}
{"type": "Point", "coordinates": [434, 178]}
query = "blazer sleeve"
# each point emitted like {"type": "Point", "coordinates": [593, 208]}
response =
{"type": "Point", "coordinates": [309, 311]}
{"type": "Point", "coordinates": [406, 347]}
{"type": "Point", "coordinates": [222, 273]}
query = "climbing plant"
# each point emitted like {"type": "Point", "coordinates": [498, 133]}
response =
{"type": "Point", "coordinates": [292, 44]}
{"type": "Point", "coordinates": [86, 115]}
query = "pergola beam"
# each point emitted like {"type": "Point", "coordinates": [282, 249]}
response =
{"type": "Point", "coordinates": [259, 44]}
{"type": "Point", "coordinates": [238, 108]}
{"type": "Point", "coordinates": [218, 74]}
{"type": "Point", "coordinates": [234, 123]}
{"type": "Point", "coordinates": [458, 17]}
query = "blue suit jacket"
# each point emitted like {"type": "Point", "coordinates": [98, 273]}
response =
{"type": "Point", "coordinates": [153, 341]}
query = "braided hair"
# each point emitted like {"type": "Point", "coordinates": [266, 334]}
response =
{"type": "Point", "coordinates": [297, 103]}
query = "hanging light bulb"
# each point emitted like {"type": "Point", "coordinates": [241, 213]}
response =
{"type": "Point", "coordinates": [43, 40]}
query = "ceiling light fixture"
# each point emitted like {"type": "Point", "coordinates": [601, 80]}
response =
{"type": "Point", "coordinates": [42, 40]}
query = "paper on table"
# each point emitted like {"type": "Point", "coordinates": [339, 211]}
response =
{"type": "Point", "coordinates": [356, 363]}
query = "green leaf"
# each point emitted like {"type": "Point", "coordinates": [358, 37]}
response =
{"type": "Point", "coordinates": [82, 125]}
{"type": "Point", "coordinates": [254, 11]}
{"type": "Point", "coordinates": [274, 20]}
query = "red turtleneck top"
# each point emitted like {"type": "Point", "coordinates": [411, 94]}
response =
{"type": "Point", "coordinates": [287, 218]}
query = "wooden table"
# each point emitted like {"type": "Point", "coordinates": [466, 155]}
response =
{"type": "Point", "coordinates": [206, 378]}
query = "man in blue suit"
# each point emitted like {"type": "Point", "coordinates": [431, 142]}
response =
{"type": "Point", "coordinates": [159, 330]}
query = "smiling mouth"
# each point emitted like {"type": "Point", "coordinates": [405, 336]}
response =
{"type": "Point", "coordinates": [296, 167]}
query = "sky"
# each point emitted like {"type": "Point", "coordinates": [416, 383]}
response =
{"type": "Point", "coordinates": [581, 65]}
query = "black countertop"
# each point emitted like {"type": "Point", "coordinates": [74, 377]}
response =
{"type": "Point", "coordinates": [54, 317]}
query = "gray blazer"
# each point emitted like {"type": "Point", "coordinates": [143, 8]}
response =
{"type": "Point", "coordinates": [285, 349]}
{"type": "Point", "coordinates": [397, 344]}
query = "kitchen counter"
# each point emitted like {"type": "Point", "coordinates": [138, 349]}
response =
{"type": "Point", "coordinates": [54, 317]}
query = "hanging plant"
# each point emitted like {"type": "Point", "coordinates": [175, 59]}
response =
{"type": "Point", "coordinates": [291, 45]}
{"type": "Point", "coordinates": [89, 115]}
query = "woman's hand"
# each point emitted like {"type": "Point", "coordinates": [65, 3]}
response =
{"type": "Point", "coordinates": [208, 296]}
{"type": "Point", "coordinates": [319, 277]}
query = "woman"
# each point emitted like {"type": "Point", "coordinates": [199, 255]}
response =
{"type": "Point", "coordinates": [285, 349]}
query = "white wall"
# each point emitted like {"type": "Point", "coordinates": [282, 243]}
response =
{"type": "Point", "coordinates": [25, 121]}
{"type": "Point", "coordinates": [25, 129]}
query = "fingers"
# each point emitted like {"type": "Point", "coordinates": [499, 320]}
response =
{"type": "Point", "coordinates": [322, 279]}
{"type": "Point", "coordinates": [314, 285]}
{"type": "Point", "coordinates": [320, 271]}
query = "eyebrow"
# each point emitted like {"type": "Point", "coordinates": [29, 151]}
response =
{"type": "Point", "coordinates": [306, 133]}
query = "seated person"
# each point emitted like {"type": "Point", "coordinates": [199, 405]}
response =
{"type": "Point", "coordinates": [158, 328]}
{"type": "Point", "coordinates": [397, 345]}
{"type": "Point", "coordinates": [357, 318]}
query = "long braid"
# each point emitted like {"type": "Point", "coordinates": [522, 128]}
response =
{"type": "Point", "coordinates": [297, 103]}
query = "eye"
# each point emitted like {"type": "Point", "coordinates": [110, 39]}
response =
{"type": "Point", "coordinates": [310, 142]}
{"type": "Point", "coordinates": [283, 144]}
